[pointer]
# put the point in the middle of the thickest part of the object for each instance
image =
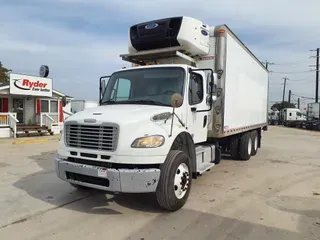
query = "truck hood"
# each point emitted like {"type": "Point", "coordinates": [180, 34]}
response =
{"type": "Point", "coordinates": [119, 113]}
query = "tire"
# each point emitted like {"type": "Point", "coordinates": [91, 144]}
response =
{"type": "Point", "coordinates": [254, 139]}
{"type": "Point", "coordinates": [234, 148]}
{"type": "Point", "coordinates": [174, 171]}
{"type": "Point", "coordinates": [245, 146]}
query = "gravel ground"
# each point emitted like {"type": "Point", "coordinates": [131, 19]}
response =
{"type": "Point", "coordinates": [275, 195]}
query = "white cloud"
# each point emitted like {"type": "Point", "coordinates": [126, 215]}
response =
{"type": "Point", "coordinates": [278, 31]}
{"type": "Point", "coordinates": [76, 59]}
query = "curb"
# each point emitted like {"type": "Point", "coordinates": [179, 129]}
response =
{"type": "Point", "coordinates": [30, 141]}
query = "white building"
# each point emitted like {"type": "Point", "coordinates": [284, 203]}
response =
{"type": "Point", "coordinates": [30, 106]}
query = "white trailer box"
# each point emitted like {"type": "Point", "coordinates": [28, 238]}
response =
{"type": "Point", "coordinates": [243, 86]}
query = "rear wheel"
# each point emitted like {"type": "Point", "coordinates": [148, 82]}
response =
{"type": "Point", "coordinates": [254, 139]}
{"type": "Point", "coordinates": [245, 146]}
{"type": "Point", "coordinates": [234, 148]}
{"type": "Point", "coordinates": [175, 181]}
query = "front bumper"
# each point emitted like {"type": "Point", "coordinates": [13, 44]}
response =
{"type": "Point", "coordinates": [112, 180]}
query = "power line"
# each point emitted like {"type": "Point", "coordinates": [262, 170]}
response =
{"type": "Point", "coordinates": [292, 63]}
{"type": "Point", "coordinates": [310, 98]}
{"type": "Point", "coordinates": [293, 72]}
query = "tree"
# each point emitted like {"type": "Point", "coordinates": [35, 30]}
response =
{"type": "Point", "coordinates": [281, 105]}
{"type": "Point", "coordinates": [4, 74]}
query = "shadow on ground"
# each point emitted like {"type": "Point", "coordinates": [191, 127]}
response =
{"type": "Point", "coordinates": [189, 224]}
{"type": "Point", "coordinates": [46, 186]}
{"type": "Point", "coordinates": [184, 224]}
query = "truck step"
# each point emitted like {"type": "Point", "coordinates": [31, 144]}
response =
{"type": "Point", "coordinates": [205, 157]}
{"type": "Point", "coordinates": [204, 167]}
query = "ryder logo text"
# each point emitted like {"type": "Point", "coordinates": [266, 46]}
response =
{"type": "Point", "coordinates": [26, 84]}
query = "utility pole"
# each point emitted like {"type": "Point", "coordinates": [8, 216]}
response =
{"type": "Point", "coordinates": [284, 88]}
{"type": "Point", "coordinates": [317, 73]}
{"type": "Point", "coordinates": [289, 97]}
{"type": "Point", "coordinates": [298, 103]}
{"type": "Point", "coordinates": [267, 64]}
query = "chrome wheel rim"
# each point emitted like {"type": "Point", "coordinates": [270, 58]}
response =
{"type": "Point", "coordinates": [256, 143]}
{"type": "Point", "coordinates": [249, 146]}
{"type": "Point", "coordinates": [181, 180]}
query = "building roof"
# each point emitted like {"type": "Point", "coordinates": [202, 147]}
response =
{"type": "Point", "coordinates": [7, 85]}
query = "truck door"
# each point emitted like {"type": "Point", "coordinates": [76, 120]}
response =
{"type": "Point", "coordinates": [197, 122]}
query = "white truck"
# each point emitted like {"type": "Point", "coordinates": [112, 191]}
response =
{"type": "Point", "coordinates": [292, 117]}
{"type": "Point", "coordinates": [193, 93]}
{"type": "Point", "coordinates": [274, 117]}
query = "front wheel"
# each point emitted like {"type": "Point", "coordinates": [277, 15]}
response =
{"type": "Point", "coordinates": [175, 181]}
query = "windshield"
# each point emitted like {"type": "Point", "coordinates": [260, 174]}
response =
{"type": "Point", "coordinates": [152, 86]}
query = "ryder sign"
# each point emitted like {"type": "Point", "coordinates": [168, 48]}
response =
{"type": "Point", "coordinates": [30, 85]}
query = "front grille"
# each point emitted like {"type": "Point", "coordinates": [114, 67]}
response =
{"type": "Point", "coordinates": [102, 137]}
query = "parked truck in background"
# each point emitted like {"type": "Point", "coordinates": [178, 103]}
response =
{"type": "Point", "coordinates": [194, 92]}
{"type": "Point", "coordinates": [274, 117]}
{"type": "Point", "coordinates": [313, 116]}
{"type": "Point", "coordinates": [292, 117]}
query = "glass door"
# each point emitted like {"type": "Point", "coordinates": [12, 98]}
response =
{"type": "Point", "coordinates": [18, 107]}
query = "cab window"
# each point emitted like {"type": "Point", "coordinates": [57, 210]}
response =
{"type": "Point", "coordinates": [195, 89]}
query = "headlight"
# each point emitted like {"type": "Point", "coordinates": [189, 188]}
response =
{"type": "Point", "coordinates": [148, 142]}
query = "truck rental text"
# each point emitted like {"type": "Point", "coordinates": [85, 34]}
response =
{"type": "Point", "coordinates": [193, 93]}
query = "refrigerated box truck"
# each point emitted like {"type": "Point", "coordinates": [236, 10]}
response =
{"type": "Point", "coordinates": [194, 92]}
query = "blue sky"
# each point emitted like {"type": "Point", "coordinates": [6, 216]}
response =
{"type": "Point", "coordinates": [81, 40]}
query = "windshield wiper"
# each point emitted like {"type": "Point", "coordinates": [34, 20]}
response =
{"type": "Point", "coordinates": [109, 102]}
{"type": "Point", "coordinates": [148, 101]}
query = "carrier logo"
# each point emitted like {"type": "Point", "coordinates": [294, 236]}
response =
{"type": "Point", "coordinates": [204, 32]}
{"type": "Point", "coordinates": [151, 26]}
{"type": "Point", "coordinates": [27, 85]}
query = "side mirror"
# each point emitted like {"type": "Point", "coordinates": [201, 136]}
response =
{"type": "Point", "coordinates": [64, 101]}
{"type": "Point", "coordinates": [176, 100]}
{"type": "Point", "coordinates": [103, 87]}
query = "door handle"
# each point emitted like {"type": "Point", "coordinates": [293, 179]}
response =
{"type": "Point", "coordinates": [193, 109]}
{"type": "Point", "coordinates": [205, 119]}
